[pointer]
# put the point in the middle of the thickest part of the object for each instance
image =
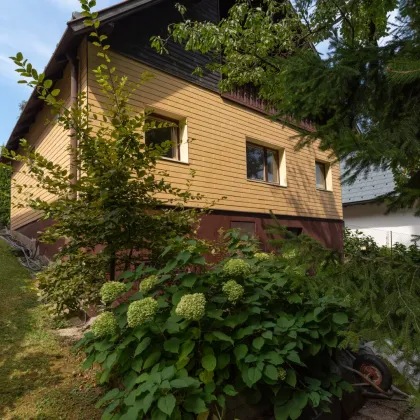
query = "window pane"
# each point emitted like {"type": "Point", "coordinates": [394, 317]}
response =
{"type": "Point", "coordinates": [272, 166]}
{"type": "Point", "coordinates": [255, 162]}
{"type": "Point", "coordinates": [245, 227]}
{"type": "Point", "coordinates": [158, 136]}
{"type": "Point", "coordinates": [320, 175]}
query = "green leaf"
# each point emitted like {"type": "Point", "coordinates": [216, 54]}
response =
{"type": "Point", "coordinates": [172, 345]}
{"type": "Point", "coordinates": [340, 318]}
{"type": "Point", "coordinates": [208, 362]}
{"type": "Point", "coordinates": [137, 364]}
{"type": "Point", "coordinates": [314, 348]}
{"type": "Point", "coordinates": [229, 390]}
{"type": "Point", "coordinates": [240, 351]}
{"type": "Point", "coordinates": [215, 314]}
{"type": "Point", "coordinates": [331, 340]}
{"type": "Point", "coordinates": [291, 377]}
{"type": "Point", "coordinates": [268, 335]}
{"type": "Point", "coordinates": [294, 357]}
{"type": "Point", "coordinates": [285, 323]}
{"type": "Point", "coordinates": [223, 360]}
{"type": "Point", "coordinates": [274, 358]}
{"type": "Point", "coordinates": [169, 266]}
{"type": "Point", "coordinates": [194, 404]}
{"type": "Point", "coordinates": [48, 83]}
{"type": "Point", "coordinates": [168, 373]}
{"type": "Point", "coordinates": [151, 360]}
{"type": "Point", "coordinates": [166, 404]}
{"type": "Point", "coordinates": [233, 321]}
{"type": "Point", "coordinates": [189, 280]}
{"type": "Point", "coordinates": [186, 349]}
{"type": "Point", "coordinates": [108, 396]}
{"type": "Point", "coordinates": [222, 336]}
{"type": "Point", "coordinates": [271, 372]}
{"type": "Point", "coordinates": [258, 343]}
{"type": "Point", "coordinates": [254, 375]}
{"type": "Point", "coordinates": [184, 382]}
{"type": "Point", "coordinates": [142, 346]}
{"type": "Point", "coordinates": [55, 92]}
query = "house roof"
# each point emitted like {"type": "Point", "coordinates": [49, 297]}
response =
{"type": "Point", "coordinates": [376, 183]}
{"type": "Point", "coordinates": [68, 43]}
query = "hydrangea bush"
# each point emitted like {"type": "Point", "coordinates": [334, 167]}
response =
{"type": "Point", "coordinates": [207, 332]}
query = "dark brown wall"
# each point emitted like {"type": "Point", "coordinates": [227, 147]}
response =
{"type": "Point", "coordinates": [33, 229]}
{"type": "Point", "coordinates": [328, 231]}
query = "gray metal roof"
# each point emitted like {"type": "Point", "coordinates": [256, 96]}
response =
{"type": "Point", "coordinates": [375, 184]}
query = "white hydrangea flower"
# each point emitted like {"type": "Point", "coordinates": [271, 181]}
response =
{"type": "Point", "coordinates": [105, 324]}
{"type": "Point", "coordinates": [192, 307]}
{"type": "Point", "coordinates": [233, 291]}
{"type": "Point", "coordinates": [237, 268]}
{"type": "Point", "coordinates": [141, 311]}
{"type": "Point", "coordinates": [262, 256]}
{"type": "Point", "coordinates": [111, 290]}
{"type": "Point", "coordinates": [148, 283]}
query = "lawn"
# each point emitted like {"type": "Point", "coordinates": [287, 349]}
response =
{"type": "Point", "coordinates": [40, 378]}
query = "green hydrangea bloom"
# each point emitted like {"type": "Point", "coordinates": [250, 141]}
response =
{"type": "Point", "coordinates": [192, 307]}
{"type": "Point", "coordinates": [111, 290]}
{"type": "Point", "coordinates": [233, 290]}
{"type": "Point", "coordinates": [290, 254]}
{"type": "Point", "coordinates": [282, 373]}
{"type": "Point", "coordinates": [147, 284]}
{"type": "Point", "coordinates": [236, 268]}
{"type": "Point", "coordinates": [141, 311]}
{"type": "Point", "coordinates": [262, 256]}
{"type": "Point", "coordinates": [105, 324]}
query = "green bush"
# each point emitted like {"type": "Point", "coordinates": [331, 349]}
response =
{"type": "Point", "coordinates": [73, 284]}
{"type": "Point", "coordinates": [5, 173]}
{"type": "Point", "coordinates": [199, 337]}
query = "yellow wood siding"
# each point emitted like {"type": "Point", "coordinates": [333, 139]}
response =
{"type": "Point", "coordinates": [51, 141]}
{"type": "Point", "coordinates": [219, 129]}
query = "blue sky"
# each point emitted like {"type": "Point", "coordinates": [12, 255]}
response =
{"type": "Point", "coordinates": [34, 28]}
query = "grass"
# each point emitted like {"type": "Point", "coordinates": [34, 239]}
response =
{"type": "Point", "coordinates": [39, 376]}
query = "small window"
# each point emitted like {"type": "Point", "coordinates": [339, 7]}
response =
{"type": "Point", "coordinates": [245, 227]}
{"type": "Point", "coordinates": [296, 231]}
{"type": "Point", "coordinates": [321, 175]}
{"type": "Point", "coordinates": [165, 130]}
{"type": "Point", "coordinates": [262, 163]}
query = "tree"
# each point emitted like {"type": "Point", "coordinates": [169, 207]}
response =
{"type": "Point", "coordinates": [363, 96]}
{"type": "Point", "coordinates": [112, 215]}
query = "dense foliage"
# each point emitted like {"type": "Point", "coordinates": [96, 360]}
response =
{"type": "Point", "coordinates": [201, 333]}
{"type": "Point", "coordinates": [383, 286]}
{"type": "Point", "coordinates": [363, 96]}
{"type": "Point", "coordinates": [113, 207]}
{"type": "Point", "coordinates": [5, 173]}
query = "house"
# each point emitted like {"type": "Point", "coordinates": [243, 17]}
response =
{"type": "Point", "coordinates": [363, 212]}
{"type": "Point", "coordinates": [237, 152]}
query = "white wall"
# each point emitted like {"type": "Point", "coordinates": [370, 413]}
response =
{"type": "Point", "coordinates": [386, 229]}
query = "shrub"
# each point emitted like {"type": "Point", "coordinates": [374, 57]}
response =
{"type": "Point", "coordinates": [74, 283]}
{"type": "Point", "coordinates": [205, 338]}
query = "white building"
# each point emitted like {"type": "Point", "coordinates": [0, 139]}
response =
{"type": "Point", "coordinates": [363, 213]}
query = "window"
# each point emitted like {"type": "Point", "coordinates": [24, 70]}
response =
{"type": "Point", "coordinates": [245, 227]}
{"type": "Point", "coordinates": [321, 175]}
{"type": "Point", "coordinates": [297, 231]}
{"type": "Point", "coordinates": [262, 163]}
{"type": "Point", "coordinates": [165, 129]}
